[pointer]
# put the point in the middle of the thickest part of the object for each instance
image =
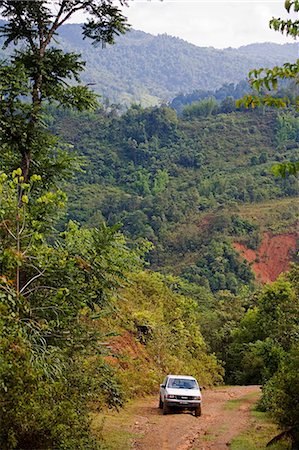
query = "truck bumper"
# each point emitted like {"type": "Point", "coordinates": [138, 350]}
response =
{"type": "Point", "coordinates": [174, 403]}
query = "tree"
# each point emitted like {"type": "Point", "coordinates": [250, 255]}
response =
{"type": "Point", "coordinates": [51, 362]}
{"type": "Point", "coordinates": [42, 72]}
{"type": "Point", "coordinates": [268, 80]}
{"type": "Point", "coordinates": [51, 284]}
{"type": "Point", "coordinates": [201, 108]}
{"type": "Point", "coordinates": [264, 349]}
{"type": "Point", "coordinates": [280, 396]}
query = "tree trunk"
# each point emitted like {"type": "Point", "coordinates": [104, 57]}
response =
{"type": "Point", "coordinates": [25, 164]}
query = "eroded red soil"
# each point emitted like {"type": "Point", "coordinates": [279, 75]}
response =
{"type": "Point", "coordinates": [272, 257]}
{"type": "Point", "coordinates": [126, 345]}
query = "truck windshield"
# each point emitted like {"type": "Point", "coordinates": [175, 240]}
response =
{"type": "Point", "coordinates": [182, 383]}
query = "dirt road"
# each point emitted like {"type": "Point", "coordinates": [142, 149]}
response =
{"type": "Point", "coordinates": [226, 413]}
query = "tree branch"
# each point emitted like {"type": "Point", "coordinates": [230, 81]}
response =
{"type": "Point", "coordinates": [9, 291]}
{"type": "Point", "coordinates": [8, 230]}
{"type": "Point", "coordinates": [32, 279]}
{"type": "Point", "coordinates": [57, 22]}
{"type": "Point", "coordinates": [39, 287]}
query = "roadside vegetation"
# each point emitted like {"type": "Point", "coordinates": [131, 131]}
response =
{"type": "Point", "coordinates": [261, 431]}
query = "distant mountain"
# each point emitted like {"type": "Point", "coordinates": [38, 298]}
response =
{"type": "Point", "coordinates": [147, 68]}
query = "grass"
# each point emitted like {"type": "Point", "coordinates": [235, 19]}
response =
{"type": "Point", "coordinates": [207, 437]}
{"type": "Point", "coordinates": [212, 433]}
{"type": "Point", "coordinates": [233, 404]}
{"type": "Point", "coordinates": [278, 215]}
{"type": "Point", "coordinates": [236, 403]}
{"type": "Point", "coordinates": [260, 432]}
{"type": "Point", "coordinates": [115, 429]}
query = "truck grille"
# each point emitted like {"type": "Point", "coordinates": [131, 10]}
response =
{"type": "Point", "coordinates": [184, 397]}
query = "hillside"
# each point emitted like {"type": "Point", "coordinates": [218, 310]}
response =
{"type": "Point", "coordinates": [151, 69]}
{"type": "Point", "coordinates": [272, 257]}
{"type": "Point", "coordinates": [184, 184]}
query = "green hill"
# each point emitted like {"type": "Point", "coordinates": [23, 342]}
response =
{"type": "Point", "coordinates": [151, 69]}
{"type": "Point", "coordinates": [180, 183]}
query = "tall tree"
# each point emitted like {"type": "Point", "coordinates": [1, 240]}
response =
{"type": "Point", "coordinates": [45, 73]}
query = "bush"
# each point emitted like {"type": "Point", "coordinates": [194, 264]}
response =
{"type": "Point", "coordinates": [281, 395]}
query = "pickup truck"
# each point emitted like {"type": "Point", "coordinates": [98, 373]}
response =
{"type": "Point", "coordinates": [181, 392]}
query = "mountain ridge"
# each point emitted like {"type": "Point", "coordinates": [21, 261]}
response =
{"type": "Point", "coordinates": [135, 74]}
{"type": "Point", "coordinates": [154, 69]}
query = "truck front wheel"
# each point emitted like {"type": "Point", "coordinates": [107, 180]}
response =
{"type": "Point", "coordinates": [165, 409]}
{"type": "Point", "coordinates": [198, 411]}
{"type": "Point", "coordinates": [160, 403]}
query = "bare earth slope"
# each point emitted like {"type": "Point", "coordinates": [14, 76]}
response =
{"type": "Point", "coordinates": [272, 257]}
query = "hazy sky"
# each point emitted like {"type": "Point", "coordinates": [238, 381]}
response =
{"type": "Point", "coordinates": [216, 23]}
{"type": "Point", "coordinates": [209, 23]}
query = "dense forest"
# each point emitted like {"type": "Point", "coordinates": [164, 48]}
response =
{"type": "Point", "coordinates": [181, 182]}
{"type": "Point", "coordinates": [154, 69]}
{"type": "Point", "coordinates": [151, 69]}
{"type": "Point", "coordinates": [118, 228]}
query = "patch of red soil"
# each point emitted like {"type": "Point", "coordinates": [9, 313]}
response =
{"type": "Point", "coordinates": [273, 256]}
{"type": "Point", "coordinates": [126, 345]}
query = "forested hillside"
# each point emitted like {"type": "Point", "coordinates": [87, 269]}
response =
{"type": "Point", "coordinates": [151, 69]}
{"type": "Point", "coordinates": [181, 183]}
{"type": "Point", "coordinates": [147, 68]}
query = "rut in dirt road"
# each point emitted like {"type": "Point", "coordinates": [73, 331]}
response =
{"type": "Point", "coordinates": [215, 429]}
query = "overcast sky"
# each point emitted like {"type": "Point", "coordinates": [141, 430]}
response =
{"type": "Point", "coordinates": [213, 23]}
{"type": "Point", "coordinates": [216, 23]}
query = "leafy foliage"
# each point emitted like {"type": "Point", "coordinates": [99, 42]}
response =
{"type": "Point", "coordinates": [80, 321]}
{"type": "Point", "coordinates": [49, 352]}
{"type": "Point", "coordinates": [162, 177]}
{"type": "Point", "coordinates": [267, 347]}
{"type": "Point", "coordinates": [160, 333]}
{"type": "Point", "coordinates": [45, 74]}
{"type": "Point", "coordinates": [280, 396]}
{"type": "Point", "coordinates": [269, 79]}
{"type": "Point", "coordinates": [225, 96]}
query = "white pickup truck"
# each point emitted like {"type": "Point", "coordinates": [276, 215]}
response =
{"type": "Point", "coordinates": [180, 391]}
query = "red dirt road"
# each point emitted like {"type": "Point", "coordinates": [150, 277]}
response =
{"type": "Point", "coordinates": [220, 422]}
